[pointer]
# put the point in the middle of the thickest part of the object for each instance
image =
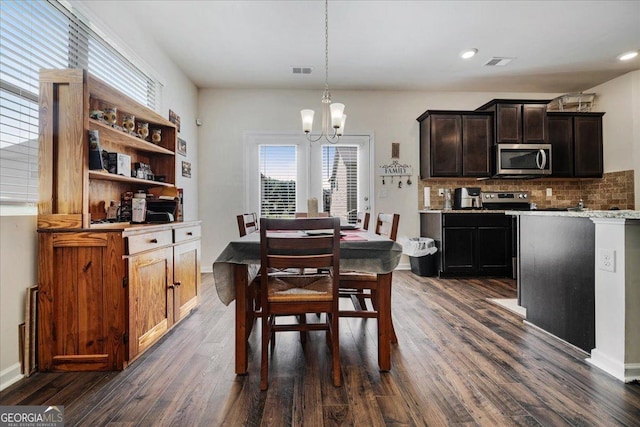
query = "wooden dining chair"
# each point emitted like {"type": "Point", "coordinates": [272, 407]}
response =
{"type": "Point", "coordinates": [361, 286]}
{"type": "Point", "coordinates": [247, 223]}
{"type": "Point", "coordinates": [362, 220]}
{"type": "Point", "coordinates": [284, 245]}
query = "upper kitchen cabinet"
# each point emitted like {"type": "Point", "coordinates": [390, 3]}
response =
{"type": "Point", "coordinates": [519, 121]}
{"type": "Point", "coordinates": [576, 140]}
{"type": "Point", "coordinates": [455, 143]}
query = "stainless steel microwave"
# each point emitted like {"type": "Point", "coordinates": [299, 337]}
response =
{"type": "Point", "coordinates": [523, 160]}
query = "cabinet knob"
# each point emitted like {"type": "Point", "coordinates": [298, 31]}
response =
{"type": "Point", "coordinates": [178, 283]}
{"type": "Point", "coordinates": [190, 233]}
{"type": "Point", "coordinates": [153, 241]}
{"type": "Point", "coordinates": [170, 287]}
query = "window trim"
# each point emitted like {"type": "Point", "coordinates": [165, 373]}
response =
{"type": "Point", "coordinates": [253, 139]}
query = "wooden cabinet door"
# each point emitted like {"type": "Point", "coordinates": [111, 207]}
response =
{"type": "Point", "coordinates": [150, 298]}
{"type": "Point", "coordinates": [81, 318]}
{"type": "Point", "coordinates": [494, 250]}
{"type": "Point", "coordinates": [186, 274]}
{"type": "Point", "coordinates": [509, 123]}
{"type": "Point", "coordinates": [446, 145]}
{"type": "Point", "coordinates": [587, 135]}
{"type": "Point", "coordinates": [534, 124]}
{"type": "Point", "coordinates": [561, 139]}
{"type": "Point", "coordinates": [459, 249]}
{"type": "Point", "coordinates": [477, 140]}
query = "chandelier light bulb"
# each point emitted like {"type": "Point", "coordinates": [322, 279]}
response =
{"type": "Point", "coordinates": [307, 120]}
{"type": "Point", "coordinates": [336, 114]}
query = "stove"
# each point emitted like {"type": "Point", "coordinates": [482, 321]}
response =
{"type": "Point", "coordinates": [506, 200]}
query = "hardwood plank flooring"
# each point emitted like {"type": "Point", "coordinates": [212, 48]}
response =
{"type": "Point", "coordinates": [460, 361]}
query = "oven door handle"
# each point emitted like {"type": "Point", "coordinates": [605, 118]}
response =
{"type": "Point", "coordinates": [541, 163]}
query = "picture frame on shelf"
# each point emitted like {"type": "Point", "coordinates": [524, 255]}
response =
{"type": "Point", "coordinates": [186, 169]}
{"type": "Point", "coordinates": [175, 119]}
{"type": "Point", "coordinates": [182, 147]}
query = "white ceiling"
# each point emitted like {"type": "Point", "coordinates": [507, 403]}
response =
{"type": "Point", "coordinates": [558, 46]}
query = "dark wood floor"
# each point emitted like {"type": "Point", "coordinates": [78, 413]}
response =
{"type": "Point", "coordinates": [461, 360]}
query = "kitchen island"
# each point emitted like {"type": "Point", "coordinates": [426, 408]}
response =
{"type": "Point", "coordinates": [579, 279]}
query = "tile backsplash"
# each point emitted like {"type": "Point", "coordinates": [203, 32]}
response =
{"type": "Point", "coordinates": [615, 189]}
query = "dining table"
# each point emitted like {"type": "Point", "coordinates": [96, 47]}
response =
{"type": "Point", "coordinates": [360, 250]}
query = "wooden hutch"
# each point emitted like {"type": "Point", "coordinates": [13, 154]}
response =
{"type": "Point", "coordinates": [107, 291]}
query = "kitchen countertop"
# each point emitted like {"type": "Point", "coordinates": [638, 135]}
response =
{"type": "Point", "coordinates": [587, 213]}
{"type": "Point", "coordinates": [463, 211]}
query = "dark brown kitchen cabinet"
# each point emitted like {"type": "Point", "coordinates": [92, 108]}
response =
{"type": "Point", "coordinates": [576, 140]}
{"type": "Point", "coordinates": [519, 121]}
{"type": "Point", "coordinates": [455, 143]}
{"type": "Point", "coordinates": [476, 244]}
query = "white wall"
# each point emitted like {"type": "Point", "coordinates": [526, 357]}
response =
{"type": "Point", "coordinates": [389, 115]}
{"type": "Point", "coordinates": [18, 258]}
{"type": "Point", "coordinates": [18, 233]}
{"type": "Point", "coordinates": [620, 100]}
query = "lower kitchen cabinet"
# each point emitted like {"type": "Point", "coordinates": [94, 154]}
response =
{"type": "Point", "coordinates": [476, 244]}
{"type": "Point", "coordinates": [107, 295]}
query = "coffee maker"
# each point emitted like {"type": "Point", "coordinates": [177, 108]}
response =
{"type": "Point", "coordinates": [467, 198]}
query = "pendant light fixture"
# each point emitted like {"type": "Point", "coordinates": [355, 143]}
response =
{"type": "Point", "coordinates": [333, 116]}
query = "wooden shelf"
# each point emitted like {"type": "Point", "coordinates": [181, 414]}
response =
{"type": "Point", "coordinates": [106, 176]}
{"type": "Point", "coordinates": [126, 140]}
{"type": "Point", "coordinates": [104, 92]}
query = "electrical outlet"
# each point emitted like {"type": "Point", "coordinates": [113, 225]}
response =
{"type": "Point", "coordinates": [607, 259]}
{"type": "Point", "coordinates": [549, 192]}
{"type": "Point", "coordinates": [441, 192]}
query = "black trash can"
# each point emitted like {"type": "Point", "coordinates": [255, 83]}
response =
{"type": "Point", "coordinates": [423, 265]}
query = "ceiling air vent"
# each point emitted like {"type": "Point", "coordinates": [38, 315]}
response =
{"type": "Point", "coordinates": [498, 62]}
{"type": "Point", "coordinates": [301, 70]}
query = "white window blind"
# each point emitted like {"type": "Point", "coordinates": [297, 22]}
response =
{"type": "Point", "coordinates": [340, 181]}
{"type": "Point", "coordinates": [278, 175]}
{"type": "Point", "coordinates": [36, 35]}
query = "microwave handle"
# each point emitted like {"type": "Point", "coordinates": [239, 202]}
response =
{"type": "Point", "coordinates": [541, 164]}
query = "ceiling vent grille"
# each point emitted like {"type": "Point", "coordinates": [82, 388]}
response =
{"type": "Point", "coordinates": [301, 70]}
{"type": "Point", "coordinates": [497, 62]}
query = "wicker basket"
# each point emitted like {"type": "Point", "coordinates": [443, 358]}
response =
{"type": "Point", "coordinates": [575, 102]}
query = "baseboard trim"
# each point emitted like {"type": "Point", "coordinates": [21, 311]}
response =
{"type": "Point", "coordinates": [624, 372]}
{"type": "Point", "coordinates": [10, 375]}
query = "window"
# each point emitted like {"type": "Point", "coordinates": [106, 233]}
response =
{"type": "Point", "coordinates": [282, 171]}
{"type": "Point", "coordinates": [278, 176]}
{"type": "Point", "coordinates": [36, 35]}
{"type": "Point", "coordinates": [340, 181]}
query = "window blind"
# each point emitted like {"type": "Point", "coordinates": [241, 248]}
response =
{"type": "Point", "coordinates": [340, 181]}
{"type": "Point", "coordinates": [43, 34]}
{"type": "Point", "coordinates": [278, 172]}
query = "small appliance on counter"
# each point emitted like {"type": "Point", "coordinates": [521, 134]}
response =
{"type": "Point", "coordinates": [467, 198]}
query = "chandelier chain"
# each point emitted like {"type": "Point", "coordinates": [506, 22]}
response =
{"type": "Point", "coordinates": [326, 44]}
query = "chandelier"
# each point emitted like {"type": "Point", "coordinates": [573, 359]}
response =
{"type": "Point", "coordinates": [332, 114]}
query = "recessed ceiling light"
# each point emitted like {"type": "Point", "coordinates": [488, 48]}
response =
{"type": "Point", "coordinates": [468, 53]}
{"type": "Point", "coordinates": [627, 56]}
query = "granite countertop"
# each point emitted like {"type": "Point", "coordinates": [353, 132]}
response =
{"type": "Point", "coordinates": [587, 213]}
{"type": "Point", "coordinates": [463, 211]}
